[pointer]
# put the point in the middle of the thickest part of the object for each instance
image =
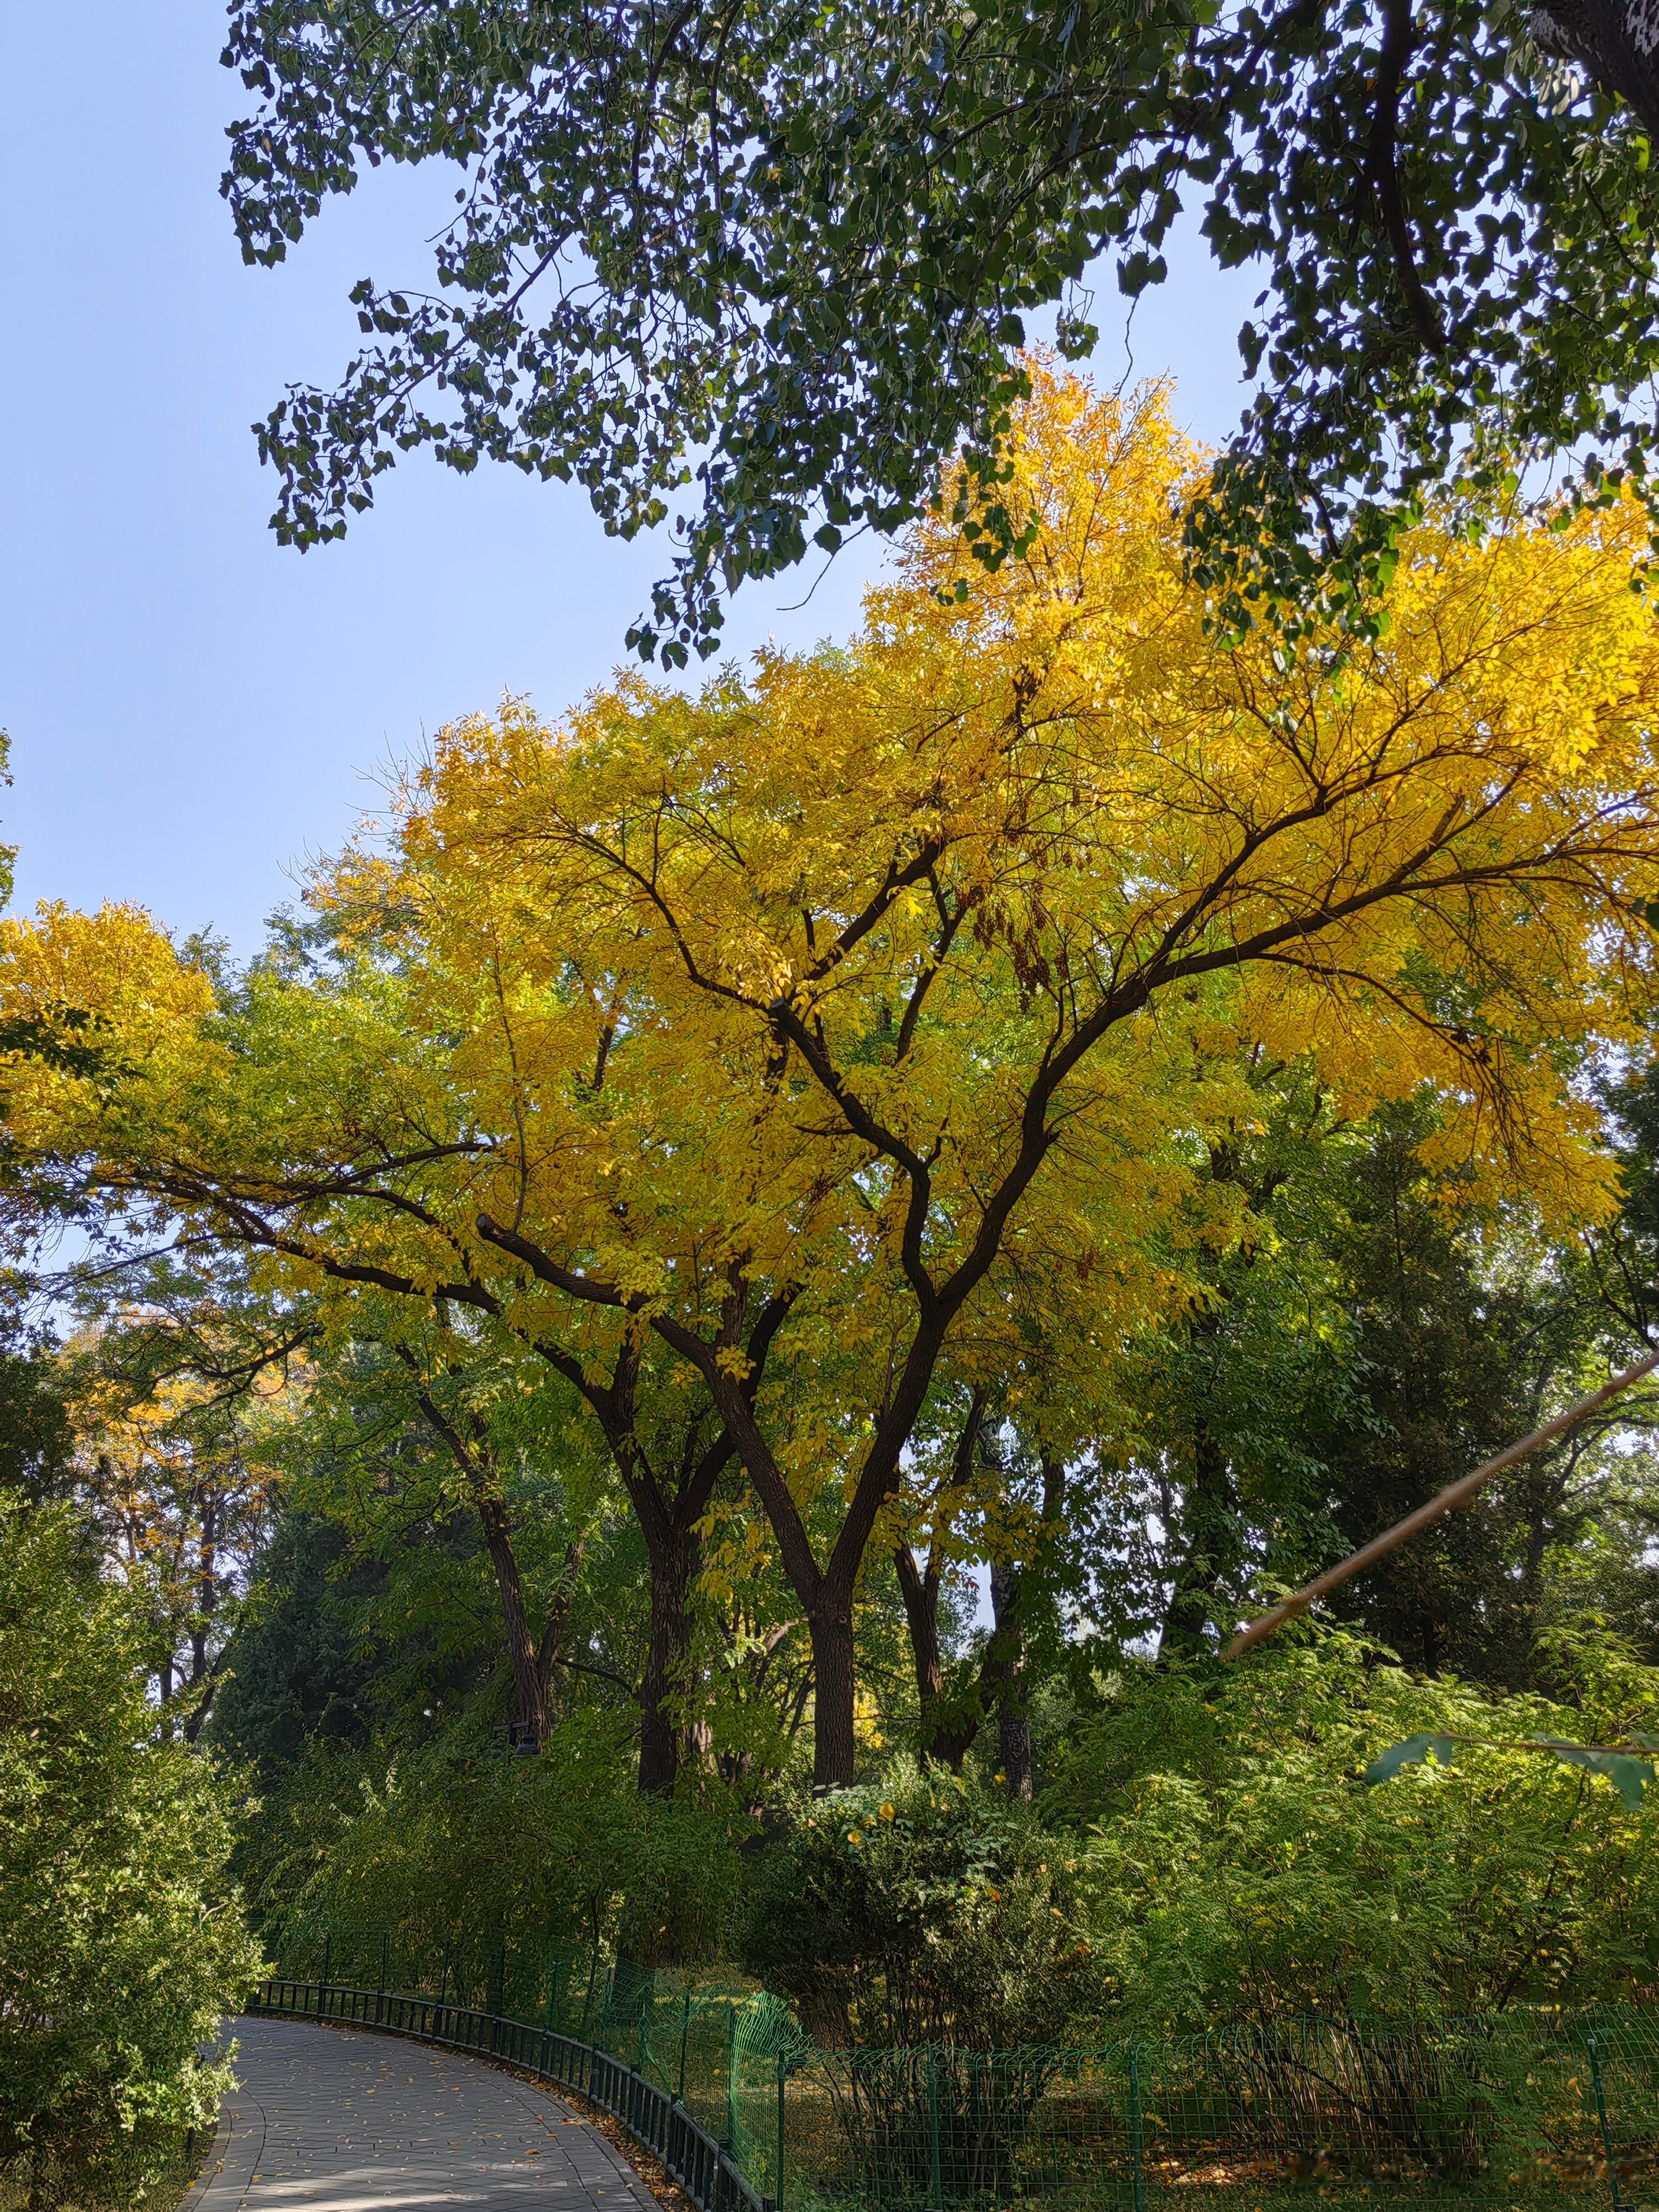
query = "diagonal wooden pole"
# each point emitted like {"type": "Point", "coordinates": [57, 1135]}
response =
{"type": "Point", "coordinates": [1443, 1501]}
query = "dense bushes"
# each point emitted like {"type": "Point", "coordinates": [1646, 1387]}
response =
{"type": "Point", "coordinates": [1211, 1852]}
{"type": "Point", "coordinates": [119, 1947]}
{"type": "Point", "coordinates": [923, 1908]}
{"type": "Point", "coordinates": [1240, 1866]}
{"type": "Point", "coordinates": [1214, 1853]}
{"type": "Point", "coordinates": [456, 1841]}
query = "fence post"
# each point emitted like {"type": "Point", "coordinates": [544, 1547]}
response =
{"type": "Point", "coordinates": [1136, 2145]}
{"type": "Point", "coordinates": [686, 2031]}
{"type": "Point", "coordinates": [1618, 2204]}
{"type": "Point", "coordinates": [730, 2077]}
{"type": "Point", "coordinates": [783, 2074]}
{"type": "Point", "coordinates": [936, 2197]}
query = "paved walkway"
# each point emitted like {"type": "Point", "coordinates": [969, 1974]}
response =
{"type": "Point", "coordinates": [334, 2119]}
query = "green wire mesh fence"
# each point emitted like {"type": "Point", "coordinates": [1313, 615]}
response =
{"type": "Point", "coordinates": [1531, 2113]}
{"type": "Point", "coordinates": [1527, 2110]}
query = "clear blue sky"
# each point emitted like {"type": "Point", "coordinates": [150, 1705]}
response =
{"type": "Point", "coordinates": [192, 708]}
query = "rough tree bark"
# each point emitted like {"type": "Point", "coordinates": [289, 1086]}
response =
{"type": "Point", "coordinates": [1616, 44]}
{"type": "Point", "coordinates": [663, 1733]}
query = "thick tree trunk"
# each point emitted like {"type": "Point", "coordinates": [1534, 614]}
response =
{"type": "Point", "coordinates": [528, 1691]}
{"type": "Point", "coordinates": [920, 1590]}
{"type": "Point", "coordinates": [662, 1732]}
{"type": "Point", "coordinates": [833, 1748]}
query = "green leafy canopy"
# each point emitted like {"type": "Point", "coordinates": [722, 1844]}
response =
{"type": "Point", "coordinates": [770, 266]}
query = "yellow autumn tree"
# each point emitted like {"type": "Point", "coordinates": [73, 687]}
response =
{"type": "Point", "coordinates": [174, 1479]}
{"type": "Point", "coordinates": [870, 1014]}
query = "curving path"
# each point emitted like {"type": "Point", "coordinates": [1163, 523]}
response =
{"type": "Point", "coordinates": [332, 2119]}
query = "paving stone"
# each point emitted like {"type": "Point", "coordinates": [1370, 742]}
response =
{"type": "Point", "coordinates": [331, 2119]}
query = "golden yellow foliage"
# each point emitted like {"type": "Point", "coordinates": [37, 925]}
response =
{"type": "Point", "coordinates": [873, 1013]}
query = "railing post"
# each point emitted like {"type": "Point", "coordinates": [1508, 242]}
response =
{"type": "Point", "coordinates": [937, 2199]}
{"type": "Point", "coordinates": [783, 2071]}
{"type": "Point", "coordinates": [1136, 2144]}
{"type": "Point", "coordinates": [1618, 2204]}
{"type": "Point", "coordinates": [730, 2077]}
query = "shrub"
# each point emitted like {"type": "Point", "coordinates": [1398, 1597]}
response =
{"type": "Point", "coordinates": [1242, 1869]}
{"type": "Point", "coordinates": [922, 1909]}
{"type": "Point", "coordinates": [457, 1851]}
{"type": "Point", "coordinates": [119, 1950]}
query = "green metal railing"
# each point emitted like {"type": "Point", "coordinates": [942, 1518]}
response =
{"type": "Point", "coordinates": [1529, 2112]}
{"type": "Point", "coordinates": [702, 2166]}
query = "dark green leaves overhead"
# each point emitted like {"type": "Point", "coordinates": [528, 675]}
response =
{"type": "Point", "coordinates": [775, 262]}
